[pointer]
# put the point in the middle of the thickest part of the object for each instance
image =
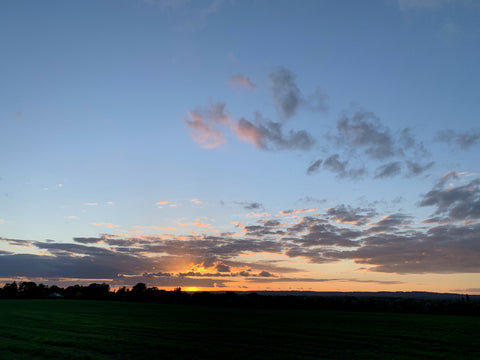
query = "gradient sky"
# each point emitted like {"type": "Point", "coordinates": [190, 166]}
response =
{"type": "Point", "coordinates": [241, 145]}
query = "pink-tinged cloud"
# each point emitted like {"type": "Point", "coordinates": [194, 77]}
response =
{"type": "Point", "coordinates": [297, 211]}
{"type": "Point", "coordinates": [168, 228]}
{"type": "Point", "coordinates": [248, 132]}
{"type": "Point", "coordinates": [109, 225]}
{"type": "Point", "coordinates": [240, 81]}
{"type": "Point", "coordinates": [203, 132]}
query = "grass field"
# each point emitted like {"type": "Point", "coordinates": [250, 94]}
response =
{"type": "Point", "coordinates": [82, 329]}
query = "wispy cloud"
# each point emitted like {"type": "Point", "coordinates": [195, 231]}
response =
{"type": "Point", "coordinates": [208, 127]}
{"type": "Point", "coordinates": [288, 98]}
{"type": "Point", "coordinates": [459, 140]}
{"type": "Point", "coordinates": [240, 81]}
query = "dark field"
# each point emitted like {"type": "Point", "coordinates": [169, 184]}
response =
{"type": "Point", "coordinates": [81, 329]}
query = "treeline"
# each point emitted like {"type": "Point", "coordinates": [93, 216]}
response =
{"type": "Point", "coordinates": [141, 293]}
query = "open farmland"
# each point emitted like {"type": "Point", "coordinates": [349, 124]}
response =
{"type": "Point", "coordinates": [75, 329]}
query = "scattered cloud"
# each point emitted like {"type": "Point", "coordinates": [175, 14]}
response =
{"type": "Point", "coordinates": [340, 168]}
{"type": "Point", "coordinates": [298, 211]}
{"type": "Point", "coordinates": [240, 81]}
{"type": "Point", "coordinates": [269, 135]}
{"type": "Point", "coordinates": [364, 131]}
{"type": "Point", "coordinates": [204, 125]}
{"type": "Point", "coordinates": [251, 205]}
{"type": "Point", "coordinates": [388, 170]}
{"type": "Point", "coordinates": [90, 204]}
{"type": "Point", "coordinates": [314, 167]}
{"type": "Point", "coordinates": [458, 140]}
{"type": "Point", "coordinates": [160, 204]}
{"type": "Point", "coordinates": [288, 98]}
{"type": "Point", "coordinates": [415, 168]}
{"type": "Point", "coordinates": [349, 215]}
{"type": "Point", "coordinates": [458, 203]}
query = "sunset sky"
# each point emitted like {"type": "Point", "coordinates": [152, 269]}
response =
{"type": "Point", "coordinates": [241, 145]}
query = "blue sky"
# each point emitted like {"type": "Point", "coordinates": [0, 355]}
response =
{"type": "Point", "coordinates": [241, 144]}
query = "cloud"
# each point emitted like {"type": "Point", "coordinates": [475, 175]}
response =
{"type": "Point", "coordinates": [361, 136]}
{"type": "Point", "coordinates": [390, 223]}
{"type": "Point", "coordinates": [90, 204]}
{"type": "Point", "coordinates": [251, 205]}
{"type": "Point", "coordinates": [240, 81]}
{"type": "Point", "coordinates": [459, 203]}
{"type": "Point", "coordinates": [364, 131]}
{"type": "Point", "coordinates": [204, 125]}
{"type": "Point", "coordinates": [207, 127]}
{"type": "Point", "coordinates": [442, 249]}
{"type": "Point", "coordinates": [222, 268]}
{"type": "Point", "coordinates": [298, 211]}
{"type": "Point", "coordinates": [458, 140]}
{"type": "Point", "coordinates": [349, 215]}
{"type": "Point", "coordinates": [288, 98]}
{"type": "Point", "coordinates": [88, 240]}
{"type": "Point", "coordinates": [269, 135]}
{"type": "Point", "coordinates": [314, 167]}
{"type": "Point", "coordinates": [340, 168]}
{"type": "Point", "coordinates": [388, 170]}
{"type": "Point", "coordinates": [415, 168]}
{"type": "Point", "coordinates": [286, 95]}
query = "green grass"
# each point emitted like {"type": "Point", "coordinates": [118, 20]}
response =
{"type": "Point", "coordinates": [69, 329]}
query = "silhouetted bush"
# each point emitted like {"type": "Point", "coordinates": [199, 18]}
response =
{"type": "Point", "coordinates": [462, 305]}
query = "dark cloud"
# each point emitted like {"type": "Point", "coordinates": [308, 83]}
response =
{"type": "Point", "coordinates": [443, 249]}
{"type": "Point", "coordinates": [251, 206]}
{"type": "Point", "coordinates": [388, 170]}
{"type": "Point", "coordinates": [314, 167]}
{"type": "Point", "coordinates": [457, 202]}
{"type": "Point", "coordinates": [391, 223]}
{"type": "Point", "coordinates": [347, 214]}
{"type": "Point", "coordinates": [334, 165]}
{"type": "Point", "coordinates": [364, 131]}
{"type": "Point", "coordinates": [88, 240]}
{"type": "Point", "coordinates": [340, 168]}
{"type": "Point", "coordinates": [409, 144]}
{"type": "Point", "coordinates": [269, 135]}
{"type": "Point", "coordinates": [286, 95]}
{"type": "Point", "coordinates": [309, 199]}
{"type": "Point", "coordinates": [288, 98]}
{"type": "Point", "coordinates": [222, 268]}
{"type": "Point", "coordinates": [416, 168]}
{"type": "Point", "coordinates": [286, 279]}
{"type": "Point", "coordinates": [459, 140]}
{"type": "Point", "coordinates": [266, 274]}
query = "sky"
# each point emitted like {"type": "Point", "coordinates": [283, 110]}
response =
{"type": "Point", "coordinates": [241, 145]}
